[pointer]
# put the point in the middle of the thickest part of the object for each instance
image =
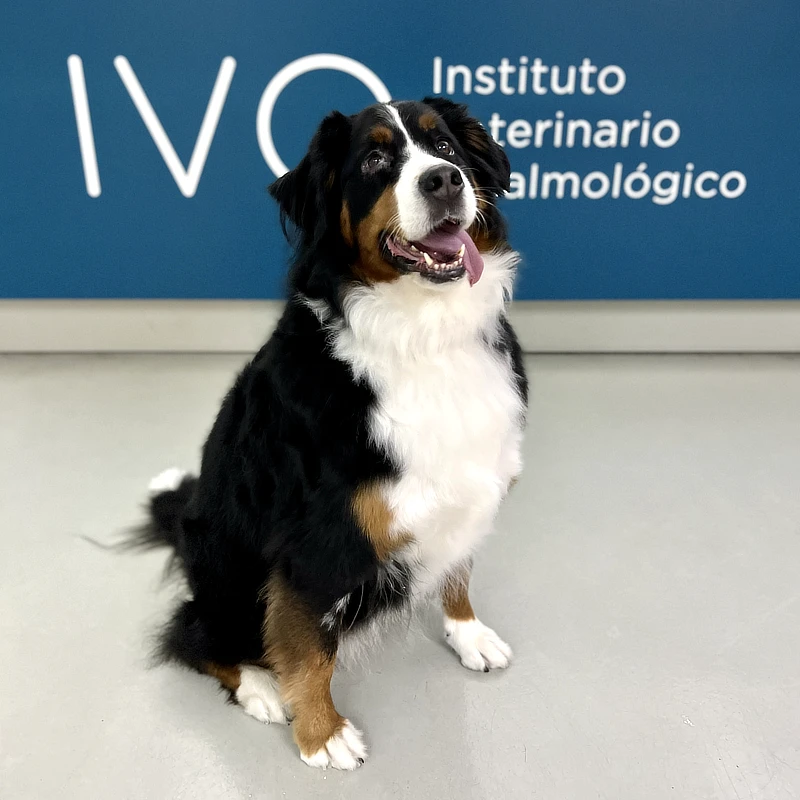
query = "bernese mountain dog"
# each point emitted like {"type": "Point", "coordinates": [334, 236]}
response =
{"type": "Point", "coordinates": [361, 456]}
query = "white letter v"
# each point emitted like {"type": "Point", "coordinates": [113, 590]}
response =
{"type": "Point", "coordinates": [187, 179]}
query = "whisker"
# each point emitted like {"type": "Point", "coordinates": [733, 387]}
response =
{"type": "Point", "coordinates": [355, 616]}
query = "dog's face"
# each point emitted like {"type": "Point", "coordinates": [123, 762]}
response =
{"type": "Point", "coordinates": [399, 189]}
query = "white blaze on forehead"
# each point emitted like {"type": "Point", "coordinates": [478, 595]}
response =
{"type": "Point", "coordinates": [412, 208]}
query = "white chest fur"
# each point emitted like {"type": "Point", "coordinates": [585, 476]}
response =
{"type": "Point", "coordinates": [453, 425]}
{"type": "Point", "coordinates": [447, 410]}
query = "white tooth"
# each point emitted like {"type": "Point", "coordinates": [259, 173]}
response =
{"type": "Point", "coordinates": [428, 259]}
{"type": "Point", "coordinates": [414, 249]}
{"type": "Point", "coordinates": [462, 250]}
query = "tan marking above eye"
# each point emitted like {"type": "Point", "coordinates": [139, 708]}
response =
{"type": "Point", "coordinates": [476, 138]}
{"type": "Point", "coordinates": [428, 121]}
{"type": "Point", "coordinates": [380, 134]}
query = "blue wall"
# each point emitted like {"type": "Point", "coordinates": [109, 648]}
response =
{"type": "Point", "coordinates": [725, 71]}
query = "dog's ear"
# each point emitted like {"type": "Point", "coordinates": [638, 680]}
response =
{"type": "Point", "coordinates": [486, 157]}
{"type": "Point", "coordinates": [307, 195]}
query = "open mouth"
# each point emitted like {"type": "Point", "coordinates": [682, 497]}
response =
{"type": "Point", "coordinates": [446, 254]}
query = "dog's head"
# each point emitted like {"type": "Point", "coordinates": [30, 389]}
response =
{"type": "Point", "coordinates": [399, 189]}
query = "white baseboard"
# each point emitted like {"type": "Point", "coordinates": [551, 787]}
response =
{"type": "Point", "coordinates": [543, 327]}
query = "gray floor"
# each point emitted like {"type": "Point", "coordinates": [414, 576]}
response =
{"type": "Point", "coordinates": [645, 571]}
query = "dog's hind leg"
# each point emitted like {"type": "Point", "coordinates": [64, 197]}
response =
{"type": "Point", "coordinates": [223, 640]}
{"type": "Point", "coordinates": [252, 687]}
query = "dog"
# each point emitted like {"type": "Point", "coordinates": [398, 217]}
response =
{"type": "Point", "coordinates": [361, 456]}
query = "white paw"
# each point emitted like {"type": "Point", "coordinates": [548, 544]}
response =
{"type": "Point", "coordinates": [166, 481]}
{"type": "Point", "coordinates": [345, 750]}
{"type": "Point", "coordinates": [480, 647]}
{"type": "Point", "coordinates": [258, 694]}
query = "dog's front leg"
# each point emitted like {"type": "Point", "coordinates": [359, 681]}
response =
{"type": "Point", "coordinates": [480, 647]}
{"type": "Point", "coordinates": [303, 656]}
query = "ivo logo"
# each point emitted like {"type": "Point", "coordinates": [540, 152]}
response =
{"type": "Point", "coordinates": [188, 178]}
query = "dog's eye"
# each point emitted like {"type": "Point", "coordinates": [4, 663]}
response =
{"type": "Point", "coordinates": [374, 160]}
{"type": "Point", "coordinates": [445, 147]}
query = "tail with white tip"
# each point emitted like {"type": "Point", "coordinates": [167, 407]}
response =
{"type": "Point", "coordinates": [170, 494]}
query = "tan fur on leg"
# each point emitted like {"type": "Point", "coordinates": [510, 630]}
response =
{"type": "Point", "coordinates": [296, 651]}
{"type": "Point", "coordinates": [479, 647]}
{"type": "Point", "coordinates": [229, 677]}
{"type": "Point", "coordinates": [455, 593]}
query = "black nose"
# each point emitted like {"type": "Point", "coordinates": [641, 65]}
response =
{"type": "Point", "coordinates": [443, 182]}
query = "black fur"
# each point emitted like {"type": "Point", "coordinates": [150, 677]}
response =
{"type": "Point", "coordinates": [166, 510]}
{"type": "Point", "coordinates": [491, 170]}
{"type": "Point", "coordinates": [509, 345]}
{"type": "Point", "coordinates": [290, 445]}
{"type": "Point", "coordinates": [486, 158]}
{"type": "Point", "coordinates": [279, 470]}
{"type": "Point", "coordinates": [310, 196]}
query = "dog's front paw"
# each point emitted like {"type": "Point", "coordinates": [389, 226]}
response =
{"type": "Point", "coordinates": [344, 750]}
{"type": "Point", "coordinates": [480, 647]}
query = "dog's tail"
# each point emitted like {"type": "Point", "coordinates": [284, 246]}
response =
{"type": "Point", "coordinates": [185, 638]}
{"type": "Point", "coordinates": [199, 631]}
{"type": "Point", "coordinates": [170, 494]}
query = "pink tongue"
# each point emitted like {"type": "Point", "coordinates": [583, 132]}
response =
{"type": "Point", "coordinates": [448, 243]}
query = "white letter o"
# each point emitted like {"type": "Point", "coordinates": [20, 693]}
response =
{"type": "Point", "coordinates": [293, 70]}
